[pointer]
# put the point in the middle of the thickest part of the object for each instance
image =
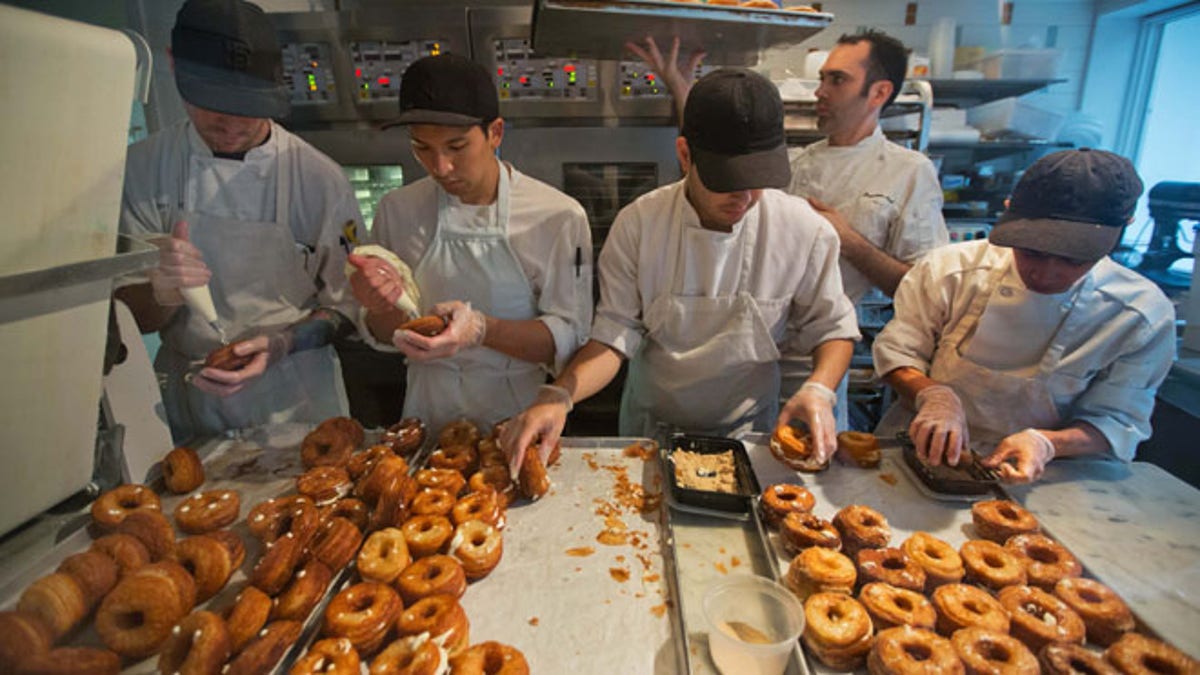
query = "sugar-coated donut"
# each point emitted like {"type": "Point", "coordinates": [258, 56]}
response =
{"type": "Point", "coordinates": [412, 655]}
{"type": "Point", "coordinates": [780, 499]}
{"type": "Point", "coordinates": [383, 556]}
{"type": "Point", "coordinates": [353, 510]}
{"type": "Point", "coordinates": [941, 563]}
{"type": "Point", "coordinates": [429, 502]}
{"type": "Point", "coordinates": [1046, 561]}
{"type": "Point", "coordinates": [153, 530]}
{"type": "Point", "coordinates": [394, 505]}
{"type": "Point", "coordinates": [337, 543]}
{"type": "Point", "coordinates": [1136, 654]}
{"type": "Point", "coordinates": [209, 563]}
{"type": "Point", "coordinates": [63, 660]}
{"type": "Point", "coordinates": [837, 630]}
{"type": "Point", "coordinates": [491, 658]}
{"type": "Point", "coordinates": [478, 546]}
{"type": "Point", "coordinates": [800, 530]}
{"type": "Point", "coordinates": [208, 511]}
{"type": "Point", "coordinates": [233, 545]}
{"type": "Point", "coordinates": [263, 652]}
{"type": "Point", "coordinates": [303, 592]}
{"type": "Point", "coordinates": [348, 427]}
{"type": "Point", "coordinates": [95, 572]}
{"type": "Point", "coordinates": [181, 580]}
{"type": "Point", "coordinates": [182, 470]}
{"type": "Point", "coordinates": [999, 519]}
{"type": "Point", "coordinates": [442, 617]}
{"type": "Point", "coordinates": [324, 484]}
{"type": "Point", "coordinates": [22, 634]}
{"type": "Point", "coordinates": [990, 564]}
{"type": "Point", "coordinates": [891, 566]}
{"type": "Point", "coordinates": [1062, 658]}
{"type": "Point", "coordinates": [271, 519]}
{"type": "Point", "coordinates": [360, 463]}
{"type": "Point", "coordinates": [1039, 618]}
{"type": "Point", "coordinates": [962, 606]}
{"type": "Point", "coordinates": [904, 649]}
{"type": "Point", "coordinates": [406, 436]}
{"type": "Point", "coordinates": [1105, 615]}
{"type": "Point", "coordinates": [427, 535]}
{"type": "Point", "coordinates": [890, 606]}
{"type": "Point", "coordinates": [441, 479]}
{"type": "Point", "coordinates": [364, 614]}
{"type": "Point", "coordinates": [371, 486]}
{"type": "Point", "coordinates": [128, 551]}
{"type": "Point", "coordinates": [113, 506]}
{"type": "Point", "coordinates": [985, 651]}
{"type": "Point", "coordinates": [861, 527]}
{"type": "Point", "coordinates": [482, 505]}
{"type": "Point", "coordinates": [198, 644]}
{"type": "Point", "coordinates": [274, 569]}
{"type": "Point", "coordinates": [58, 600]}
{"type": "Point", "coordinates": [331, 656]}
{"type": "Point", "coordinates": [461, 458]}
{"type": "Point", "coordinates": [820, 570]}
{"type": "Point", "coordinates": [136, 617]}
{"type": "Point", "coordinates": [437, 574]}
{"type": "Point", "coordinates": [247, 616]}
{"type": "Point", "coordinates": [496, 477]}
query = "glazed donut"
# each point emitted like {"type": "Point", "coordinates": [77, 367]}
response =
{"type": "Point", "coordinates": [232, 543]}
{"type": "Point", "coordinates": [890, 606]}
{"type": "Point", "coordinates": [1046, 561]}
{"type": "Point", "coordinates": [184, 584]}
{"type": "Point", "coordinates": [110, 508]}
{"type": "Point", "coordinates": [759, 4]}
{"type": "Point", "coordinates": [1136, 654]}
{"type": "Point", "coordinates": [860, 447]}
{"type": "Point", "coordinates": [325, 447]}
{"type": "Point", "coordinates": [273, 518]}
{"type": "Point", "coordinates": [332, 656]}
{"type": "Point", "coordinates": [985, 651]}
{"type": "Point", "coordinates": [837, 630]}
{"type": "Point", "coordinates": [533, 481]}
{"type": "Point", "coordinates": [442, 617]}
{"type": "Point", "coordinates": [363, 614]}
{"type": "Point", "coordinates": [22, 635]}
{"type": "Point", "coordinates": [793, 448]}
{"type": "Point", "coordinates": [274, 569]}
{"type": "Point", "coordinates": [862, 527]}
{"type": "Point", "coordinates": [406, 436]}
{"type": "Point", "coordinates": [1105, 615]}
{"type": "Point", "coordinates": [413, 655]}
{"type": "Point", "coordinates": [478, 546]}
{"type": "Point", "coordinates": [461, 458]}
{"type": "Point", "coordinates": [324, 484]}
{"type": "Point", "coordinates": [153, 530]}
{"type": "Point", "coordinates": [395, 502]}
{"type": "Point", "coordinates": [62, 660]}
{"type": "Point", "coordinates": [1039, 618]}
{"type": "Point", "coordinates": [353, 510]}
{"type": "Point", "coordinates": [939, 560]}
{"type": "Point", "coordinates": [891, 566]}
{"type": "Point", "coordinates": [208, 511]}
{"type": "Point", "coordinates": [990, 564]}
{"type": "Point", "coordinates": [94, 572]}
{"type": "Point", "coordinates": [999, 519]}
{"type": "Point", "coordinates": [961, 606]}
{"type": "Point", "coordinates": [461, 432]}
{"type": "Point", "coordinates": [441, 479]}
{"type": "Point", "coordinates": [432, 503]}
{"type": "Point", "coordinates": [263, 652]}
{"type": "Point", "coordinates": [904, 649]}
{"type": "Point", "coordinates": [208, 561]}
{"type": "Point", "coordinates": [496, 477]}
{"type": "Point", "coordinates": [384, 556]}
{"type": "Point", "coordinates": [224, 358]}
{"type": "Point", "coordinates": [306, 589]}
{"type": "Point", "coordinates": [481, 505]}
{"type": "Point", "coordinates": [198, 644]}
{"type": "Point", "coordinates": [379, 476]}
{"type": "Point", "coordinates": [1061, 658]}
{"type": "Point", "coordinates": [492, 658]}
{"type": "Point", "coordinates": [182, 470]}
{"type": "Point", "coordinates": [136, 617]}
{"type": "Point", "coordinates": [426, 535]}
{"type": "Point", "coordinates": [58, 600]}
{"type": "Point", "coordinates": [820, 570]}
{"type": "Point", "coordinates": [127, 551]}
{"type": "Point", "coordinates": [337, 543]}
{"type": "Point", "coordinates": [800, 530]}
{"type": "Point", "coordinates": [437, 574]}
{"type": "Point", "coordinates": [361, 463]}
{"type": "Point", "coordinates": [246, 616]}
{"type": "Point", "coordinates": [783, 498]}
{"type": "Point", "coordinates": [346, 426]}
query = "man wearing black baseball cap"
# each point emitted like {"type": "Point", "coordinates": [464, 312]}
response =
{"type": "Point", "coordinates": [240, 205]}
{"type": "Point", "coordinates": [505, 259]}
{"type": "Point", "coordinates": [1033, 342]}
{"type": "Point", "coordinates": [705, 282]}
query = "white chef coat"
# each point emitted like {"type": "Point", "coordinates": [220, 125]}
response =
{"type": "Point", "coordinates": [793, 274]}
{"type": "Point", "coordinates": [548, 233]}
{"type": "Point", "coordinates": [1115, 344]}
{"type": "Point", "coordinates": [889, 194]}
{"type": "Point", "coordinates": [234, 209]}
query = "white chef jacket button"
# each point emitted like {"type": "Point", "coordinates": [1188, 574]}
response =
{"type": "Point", "coordinates": [1005, 292]}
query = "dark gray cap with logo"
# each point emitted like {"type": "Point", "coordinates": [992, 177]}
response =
{"type": "Point", "coordinates": [1073, 204]}
{"type": "Point", "coordinates": [227, 59]}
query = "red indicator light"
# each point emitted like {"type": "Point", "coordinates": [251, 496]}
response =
{"type": "Point", "coordinates": [524, 80]}
{"type": "Point", "coordinates": [570, 68]}
{"type": "Point", "coordinates": [500, 71]}
{"type": "Point", "coordinates": [358, 72]}
{"type": "Point", "coordinates": [385, 81]}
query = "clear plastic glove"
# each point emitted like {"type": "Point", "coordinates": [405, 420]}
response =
{"type": "Point", "coordinates": [180, 265]}
{"type": "Point", "coordinates": [1021, 457]}
{"type": "Point", "coordinates": [266, 350]}
{"type": "Point", "coordinates": [813, 404]}
{"type": "Point", "coordinates": [678, 81]}
{"type": "Point", "coordinates": [544, 418]}
{"type": "Point", "coordinates": [939, 431]}
{"type": "Point", "coordinates": [465, 328]}
{"type": "Point", "coordinates": [376, 285]}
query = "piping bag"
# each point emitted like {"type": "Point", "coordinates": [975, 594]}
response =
{"type": "Point", "coordinates": [200, 300]}
{"type": "Point", "coordinates": [410, 298]}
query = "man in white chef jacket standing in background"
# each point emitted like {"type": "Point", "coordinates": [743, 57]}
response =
{"type": "Point", "coordinates": [235, 201]}
{"type": "Point", "coordinates": [504, 258]}
{"type": "Point", "coordinates": [705, 282]}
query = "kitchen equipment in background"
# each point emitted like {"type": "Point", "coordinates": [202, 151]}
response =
{"type": "Point", "coordinates": [941, 48]}
{"type": "Point", "coordinates": [813, 62]}
{"type": "Point", "coordinates": [370, 184]}
{"type": "Point", "coordinates": [1018, 64]}
{"type": "Point", "coordinates": [1015, 117]}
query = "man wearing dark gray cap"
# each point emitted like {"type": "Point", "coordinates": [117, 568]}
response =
{"type": "Point", "coordinates": [1033, 344]}
{"type": "Point", "coordinates": [505, 259]}
{"type": "Point", "coordinates": [706, 282]}
{"type": "Point", "coordinates": [236, 202]}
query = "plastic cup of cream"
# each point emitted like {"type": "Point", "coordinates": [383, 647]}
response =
{"type": "Point", "coordinates": [753, 624]}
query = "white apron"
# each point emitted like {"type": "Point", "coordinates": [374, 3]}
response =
{"type": "Point", "coordinates": [258, 283]}
{"type": "Point", "coordinates": [708, 365]}
{"type": "Point", "coordinates": [997, 404]}
{"type": "Point", "coordinates": [475, 265]}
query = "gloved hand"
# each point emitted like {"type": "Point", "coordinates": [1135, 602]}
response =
{"type": "Point", "coordinates": [266, 349]}
{"type": "Point", "coordinates": [180, 265]}
{"type": "Point", "coordinates": [667, 69]}
{"type": "Point", "coordinates": [814, 403]}
{"type": "Point", "coordinates": [1021, 457]}
{"type": "Point", "coordinates": [465, 329]}
{"type": "Point", "coordinates": [376, 285]}
{"type": "Point", "coordinates": [545, 417]}
{"type": "Point", "coordinates": [939, 431]}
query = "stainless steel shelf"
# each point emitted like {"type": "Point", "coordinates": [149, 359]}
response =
{"type": "Point", "coordinates": [968, 93]}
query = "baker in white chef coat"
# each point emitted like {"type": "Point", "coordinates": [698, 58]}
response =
{"type": "Point", "coordinates": [504, 258]}
{"type": "Point", "coordinates": [236, 201]}
{"type": "Point", "coordinates": [1033, 342]}
{"type": "Point", "coordinates": [704, 283]}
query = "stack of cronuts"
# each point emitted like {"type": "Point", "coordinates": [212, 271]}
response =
{"type": "Point", "coordinates": [1011, 601]}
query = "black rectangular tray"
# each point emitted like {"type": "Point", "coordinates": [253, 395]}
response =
{"type": "Point", "coordinates": [968, 478]}
{"type": "Point", "coordinates": [747, 485]}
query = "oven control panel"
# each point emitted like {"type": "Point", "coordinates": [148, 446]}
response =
{"type": "Point", "coordinates": [308, 72]}
{"type": "Point", "coordinates": [636, 80]}
{"type": "Point", "coordinates": [521, 74]}
{"type": "Point", "coordinates": [378, 65]}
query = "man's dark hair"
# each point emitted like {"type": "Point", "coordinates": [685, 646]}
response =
{"type": "Point", "coordinates": [888, 59]}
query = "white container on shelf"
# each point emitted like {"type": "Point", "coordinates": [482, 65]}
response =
{"type": "Point", "coordinates": [1015, 116]}
{"type": "Point", "coordinates": [1019, 64]}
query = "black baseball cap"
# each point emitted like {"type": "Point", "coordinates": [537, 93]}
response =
{"type": "Point", "coordinates": [733, 123]}
{"type": "Point", "coordinates": [447, 89]}
{"type": "Point", "coordinates": [227, 59]}
{"type": "Point", "coordinates": [1072, 203]}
